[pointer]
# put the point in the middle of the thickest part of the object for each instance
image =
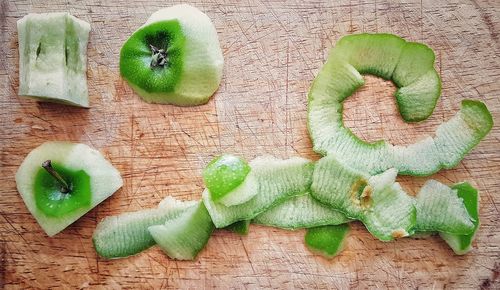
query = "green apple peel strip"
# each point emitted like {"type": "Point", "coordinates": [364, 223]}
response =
{"type": "Point", "coordinates": [339, 194]}
{"type": "Point", "coordinates": [419, 88]}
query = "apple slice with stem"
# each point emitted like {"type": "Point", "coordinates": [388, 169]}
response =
{"type": "Point", "coordinates": [61, 181]}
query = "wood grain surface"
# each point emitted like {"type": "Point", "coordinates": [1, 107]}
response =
{"type": "Point", "coordinates": [272, 51]}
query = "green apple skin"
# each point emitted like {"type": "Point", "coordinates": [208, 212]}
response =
{"type": "Point", "coordinates": [136, 56]}
{"type": "Point", "coordinates": [327, 241]}
{"type": "Point", "coordinates": [53, 58]}
{"type": "Point", "coordinates": [240, 227]}
{"type": "Point", "coordinates": [127, 234]}
{"type": "Point", "coordinates": [199, 67]}
{"type": "Point", "coordinates": [52, 201]}
{"type": "Point", "coordinates": [462, 244]}
{"type": "Point", "coordinates": [104, 179]}
{"type": "Point", "coordinates": [183, 237]}
{"type": "Point", "coordinates": [223, 174]}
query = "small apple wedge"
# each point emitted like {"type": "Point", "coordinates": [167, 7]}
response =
{"type": "Point", "coordinates": [174, 58]}
{"type": "Point", "coordinates": [53, 58]}
{"type": "Point", "coordinates": [61, 181]}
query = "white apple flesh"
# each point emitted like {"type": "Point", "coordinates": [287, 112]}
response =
{"type": "Point", "coordinates": [53, 58]}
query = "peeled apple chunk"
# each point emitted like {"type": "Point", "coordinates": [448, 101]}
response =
{"type": "Point", "coordinates": [184, 236]}
{"type": "Point", "coordinates": [439, 209]}
{"type": "Point", "coordinates": [275, 181]}
{"type": "Point", "coordinates": [174, 58]}
{"type": "Point", "coordinates": [53, 58]}
{"type": "Point", "coordinates": [378, 201]}
{"type": "Point", "coordinates": [88, 171]}
{"type": "Point", "coordinates": [301, 211]}
{"type": "Point", "coordinates": [462, 244]}
{"type": "Point", "coordinates": [127, 234]}
{"type": "Point", "coordinates": [327, 241]}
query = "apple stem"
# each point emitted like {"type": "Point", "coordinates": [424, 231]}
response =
{"type": "Point", "coordinates": [47, 165]}
{"type": "Point", "coordinates": [159, 57]}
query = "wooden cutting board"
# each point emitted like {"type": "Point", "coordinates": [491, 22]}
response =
{"type": "Point", "coordinates": [272, 51]}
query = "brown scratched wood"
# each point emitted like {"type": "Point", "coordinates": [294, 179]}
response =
{"type": "Point", "coordinates": [272, 51]}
